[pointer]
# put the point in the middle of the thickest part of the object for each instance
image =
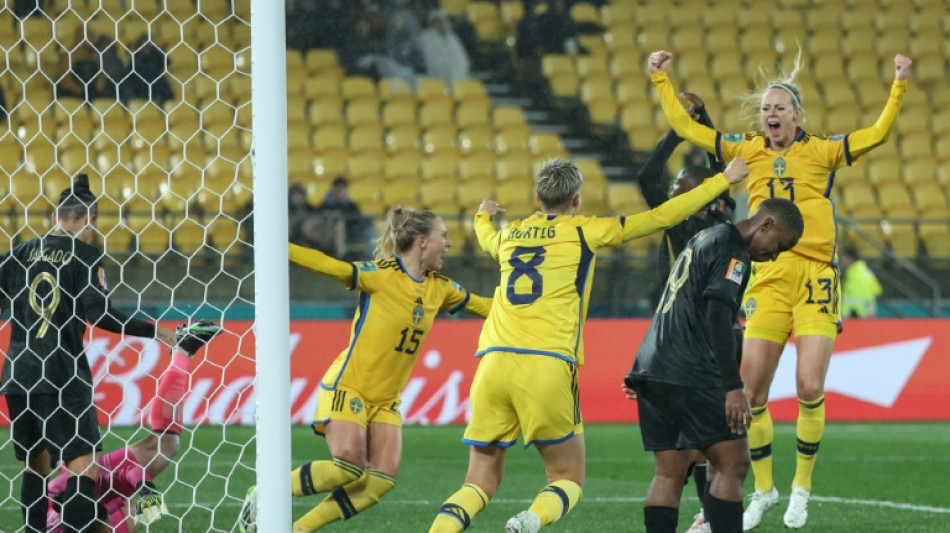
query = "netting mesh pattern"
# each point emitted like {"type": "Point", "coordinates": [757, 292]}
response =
{"type": "Point", "coordinates": [152, 101]}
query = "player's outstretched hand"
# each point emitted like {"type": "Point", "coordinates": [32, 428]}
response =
{"type": "Point", "coordinates": [147, 505]}
{"type": "Point", "coordinates": [736, 171]}
{"type": "Point", "coordinates": [738, 412]}
{"type": "Point", "coordinates": [491, 207]}
{"type": "Point", "coordinates": [167, 336]}
{"type": "Point", "coordinates": [695, 104]}
{"type": "Point", "coordinates": [902, 65]}
{"type": "Point", "coordinates": [628, 392]}
{"type": "Point", "coordinates": [659, 61]}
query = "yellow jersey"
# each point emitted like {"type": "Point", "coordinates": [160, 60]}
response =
{"type": "Point", "coordinates": [395, 313]}
{"type": "Point", "coordinates": [547, 267]}
{"type": "Point", "coordinates": [804, 173]}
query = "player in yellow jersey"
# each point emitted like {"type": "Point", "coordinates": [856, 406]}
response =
{"type": "Point", "coordinates": [400, 294]}
{"type": "Point", "coordinates": [532, 342]}
{"type": "Point", "coordinates": [801, 290]}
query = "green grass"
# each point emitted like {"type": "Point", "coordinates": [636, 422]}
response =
{"type": "Point", "coordinates": [869, 477]}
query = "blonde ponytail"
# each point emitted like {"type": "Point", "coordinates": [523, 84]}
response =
{"type": "Point", "coordinates": [400, 228]}
{"type": "Point", "coordinates": [786, 82]}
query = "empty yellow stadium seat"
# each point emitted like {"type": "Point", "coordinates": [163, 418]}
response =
{"type": "Point", "coordinates": [366, 139]}
{"type": "Point", "coordinates": [440, 165]}
{"type": "Point", "coordinates": [356, 87]}
{"type": "Point", "coordinates": [402, 138]}
{"type": "Point", "coordinates": [474, 139]}
{"type": "Point", "coordinates": [472, 192]}
{"type": "Point", "coordinates": [362, 112]}
{"type": "Point", "coordinates": [473, 113]}
{"type": "Point", "coordinates": [399, 112]}
{"type": "Point", "coordinates": [478, 167]}
{"type": "Point", "coordinates": [440, 138]}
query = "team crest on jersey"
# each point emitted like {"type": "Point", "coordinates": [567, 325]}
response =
{"type": "Point", "coordinates": [356, 405]}
{"type": "Point", "coordinates": [367, 266]}
{"type": "Point", "coordinates": [837, 137]}
{"type": "Point", "coordinates": [733, 137]}
{"type": "Point", "coordinates": [750, 307]}
{"type": "Point", "coordinates": [779, 167]}
{"type": "Point", "coordinates": [736, 271]}
{"type": "Point", "coordinates": [418, 313]}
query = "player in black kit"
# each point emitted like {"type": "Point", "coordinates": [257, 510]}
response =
{"type": "Point", "coordinates": [54, 285]}
{"type": "Point", "coordinates": [685, 373]}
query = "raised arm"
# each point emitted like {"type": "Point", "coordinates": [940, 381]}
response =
{"type": "Point", "coordinates": [321, 263]}
{"type": "Point", "coordinates": [865, 139]}
{"type": "Point", "coordinates": [486, 234]}
{"type": "Point", "coordinates": [684, 126]}
{"type": "Point", "coordinates": [678, 209]}
{"type": "Point", "coordinates": [650, 175]}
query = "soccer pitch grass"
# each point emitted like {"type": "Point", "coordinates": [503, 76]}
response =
{"type": "Point", "coordinates": [886, 477]}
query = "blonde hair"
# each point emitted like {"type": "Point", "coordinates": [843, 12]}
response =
{"type": "Point", "coordinates": [400, 228]}
{"type": "Point", "coordinates": [557, 183]}
{"type": "Point", "coordinates": [785, 82]}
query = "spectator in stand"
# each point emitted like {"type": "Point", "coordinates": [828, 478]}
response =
{"type": "Point", "coordinates": [112, 65]}
{"type": "Point", "coordinates": [304, 28]}
{"type": "Point", "coordinates": [337, 204]}
{"type": "Point", "coordinates": [311, 228]}
{"type": "Point", "coordinates": [82, 74]}
{"type": "Point", "coordinates": [405, 10]}
{"type": "Point", "coordinates": [442, 52]}
{"type": "Point", "coordinates": [359, 53]}
{"type": "Point", "coordinates": [402, 55]}
{"type": "Point", "coordinates": [859, 286]}
{"type": "Point", "coordinates": [147, 77]}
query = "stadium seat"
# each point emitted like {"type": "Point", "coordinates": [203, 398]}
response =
{"type": "Point", "coordinates": [364, 169]}
{"type": "Point", "coordinates": [431, 88]}
{"type": "Point", "coordinates": [721, 38]}
{"type": "Point", "coordinates": [934, 237]}
{"type": "Point", "coordinates": [472, 192]}
{"type": "Point", "coordinates": [357, 87]}
{"type": "Point", "coordinates": [621, 35]}
{"type": "Point", "coordinates": [365, 190]}
{"type": "Point", "coordinates": [227, 237]}
{"type": "Point", "coordinates": [930, 200]}
{"type": "Point", "coordinates": [440, 138]}
{"type": "Point", "coordinates": [440, 165]}
{"type": "Point", "coordinates": [859, 202]}
{"type": "Point", "coordinates": [329, 137]}
{"type": "Point", "coordinates": [625, 198]}
{"type": "Point", "coordinates": [917, 144]}
{"type": "Point", "coordinates": [508, 116]}
{"type": "Point", "coordinates": [547, 145]}
{"type": "Point", "coordinates": [511, 12]}
{"type": "Point", "coordinates": [436, 113]}
{"type": "Point", "coordinates": [618, 11]}
{"type": "Point", "coordinates": [363, 112]}
{"type": "Point", "coordinates": [895, 202]}
{"type": "Point", "coordinates": [884, 171]}
{"type": "Point", "coordinates": [516, 192]}
{"type": "Point", "coordinates": [591, 67]}
{"type": "Point", "coordinates": [402, 139]}
{"type": "Point", "coordinates": [399, 113]}
{"type": "Point", "coordinates": [401, 191]}
{"type": "Point", "coordinates": [473, 113]}
{"type": "Point", "coordinates": [512, 140]}
{"type": "Point", "coordinates": [395, 89]}
{"type": "Point", "coordinates": [552, 64]}
{"type": "Point", "coordinates": [438, 192]}
{"type": "Point", "coordinates": [403, 165]}
{"type": "Point", "coordinates": [319, 60]}
{"type": "Point", "coordinates": [514, 166]}
{"type": "Point", "coordinates": [477, 167]}
{"type": "Point", "coordinates": [325, 111]}
{"type": "Point", "coordinates": [330, 164]}
{"type": "Point", "coordinates": [564, 85]}
{"type": "Point", "coordinates": [366, 140]}
{"type": "Point", "coordinates": [469, 89]}
{"type": "Point", "coordinates": [475, 139]}
{"type": "Point", "coordinates": [919, 171]}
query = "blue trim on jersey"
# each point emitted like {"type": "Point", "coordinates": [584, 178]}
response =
{"type": "Point", "coordinates": [798, 137]}
{"type": "Point", "coordinates": [363, 308]}
{"type": "Point", "coordinates": [623, 220]}
{"type": "Point", "coordinates": [461, 304]}
{"type": "Point", "coordinates": [834, 250]}
{"type": "Point", "coordinates": [403, 267]}
{"type": "Point", "coordinates": [525, 351]}
{"type": "Point", "coordinates": [583, 271]}
{"type": "Point", "coordinates": [550, 217]}
{"type": "Point", "coordinates": [847, 150]}
{"type": "Point", "coordinates": [484, 444]}
{"type": "Point", "coordinates": [552, 441]}
{"type": "Point", "coordinates": [719, 146]}
{"type": "Point", "coordinates": [356, 277]}
{"type": "Point", "coordinates": [831, 182]}
{"type": "Point", "coordinates": [324, 387]}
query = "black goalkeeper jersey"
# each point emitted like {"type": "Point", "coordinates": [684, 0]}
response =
{"type": "Point", "coordinates": [677, 348]}
{"type": "Point", "coordinates": [54, 285]}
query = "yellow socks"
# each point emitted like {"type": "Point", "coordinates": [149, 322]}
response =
{"type": "Point", "coordinates": [761, 433]}
{"type": "Point", "coordinates": [458, 511]}
{"type": "Point", "coordinates": [556, 500]}
{"type": "Point", "coordinates": [810, 427]}
{"type": "Point", "coordinates": [323, 476]}
{"type": "Point", "coordinates": [345, 502]}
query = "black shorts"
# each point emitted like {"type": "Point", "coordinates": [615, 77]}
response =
{"type": "Point", "coordinates": [39, 422]}
{"type": "Point", "coordinates": [673, 417]}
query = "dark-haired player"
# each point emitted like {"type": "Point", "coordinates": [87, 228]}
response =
{"type": "Point", "coordinates": [650, 178]}
{"type": "Point", "coordinates": [54, 286]}
{"type": "Point", "coordinates": [690, 395]}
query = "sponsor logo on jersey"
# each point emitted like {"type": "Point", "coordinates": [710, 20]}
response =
{"type": "Point", "coordinates": [367, 266]}
{"type": "Point", "coordinates": [736, 271]}
{"type": "Point", "coordinates": [733, 137]}
{"type": "Point", "coordinates": [836, 137]}
{"type": "Point", "coordinates": [356, 405]}
{"type": "Point", "coordinates": [779, 166]}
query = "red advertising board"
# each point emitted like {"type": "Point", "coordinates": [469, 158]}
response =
{"type": "Point", "coordinates": [881, 370]}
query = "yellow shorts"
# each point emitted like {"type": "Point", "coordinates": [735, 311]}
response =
{"type": "Point", "coordinates": [515, 394]}
{"type": "Point", "coordinates": [349, 405]}
{"type": "Point", "coordinates": [792, 293]}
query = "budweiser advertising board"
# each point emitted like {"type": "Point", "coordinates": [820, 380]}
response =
{"type": "Point", "coordinates": [881, 370]}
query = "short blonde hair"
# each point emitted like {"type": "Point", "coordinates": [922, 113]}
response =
{"type": "Point", "coordinates": [400, 229]}
{"type": "Point", "coordinates": [558, 181]}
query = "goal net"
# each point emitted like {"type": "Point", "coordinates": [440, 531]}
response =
{"type": "Point", "coordinates": [152, 101]}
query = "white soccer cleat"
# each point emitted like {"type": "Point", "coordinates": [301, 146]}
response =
{"type": "Point", "coordinates": [797, 513]}
{"type": "Point", "coordinates": [700, 525]}
{"type": "Point", "coordinates": [247, 521]}
{"type": "Point", "coordinates": [523, 522]}
{"type": "Point", "coordinates": [759, 502]}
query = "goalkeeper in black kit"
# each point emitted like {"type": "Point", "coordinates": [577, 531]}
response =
{"type": "Point", "coordinates": [686, 378]}
{"type": "Point", "coordinates": [54, 286]}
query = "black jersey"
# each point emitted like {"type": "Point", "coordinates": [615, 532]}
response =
{"type": "Point", "coordinates": [677, 348]}
{"type": "Point", "coordinates": [54, 285]}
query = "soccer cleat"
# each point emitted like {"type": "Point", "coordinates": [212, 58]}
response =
{"type": "Point", "coordinates": [759, 502]}
{"type": "Point", "coordinates": [247, 521]}
{"type": "Point", "coordinates": [147, 505]}
{"type": "Point", "coordinates": [523, 522]}
{"type": "Point", "coordinates": [797, 513]}
{"type": "Point", "coordinates": [700, 525]}
{"type": "Point", "coordinates": [192, 338]}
